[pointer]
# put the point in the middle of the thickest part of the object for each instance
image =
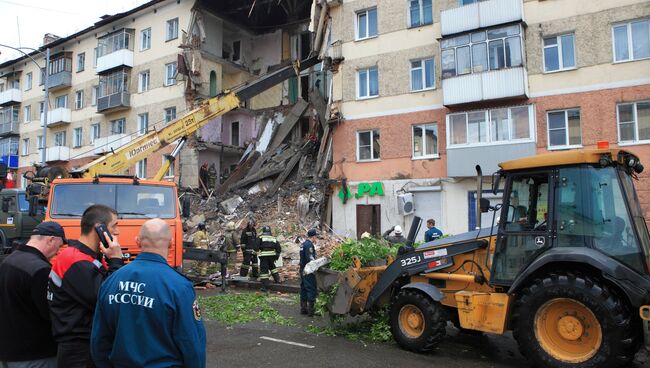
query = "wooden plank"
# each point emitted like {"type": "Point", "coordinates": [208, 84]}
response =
{"type": "Point", "coordinates": [257, 177]}
{"type": "Point", "coordinates": [239, 173]}
{"type": "Point", "coordinates": [280, 179]}
{"type": "Point", "coordinates": [319, 104]}
{"type": "Point", "coordinates": [284, 129]}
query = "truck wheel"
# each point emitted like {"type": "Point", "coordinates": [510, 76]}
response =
{"type": "Point", "coordinates": [417, 322]}
{"type": "Point", "coordinates": [4, 243]}
{"type": "Point", "coordinates": [570, 321]}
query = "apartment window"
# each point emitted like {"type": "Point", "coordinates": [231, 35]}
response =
{"type": "Point", "coordinates": [564, 129]}
{"type": "Point", "coordinates": [141, 169]}
{"type": "Point", "coordinates": [94, 94]}
{"type": "Point", "coordinates": [172, 29]}
{"type": "Point", "coordinates": [77, 137]}
{"type": "Point", "coordinates": [631, 40]}
{"type": "Point", "coordinates": [423, 74]}
{"type": "Point", "coordinates": [59, 139]}
{"type": "Point", "coordinates": [39, 142]}
{"type": "Point", "coordinates": [120, 40]}
{"type": "Point", "coordinates": [81, 62]}
{"type": "Point", "coordinates": [145, 39]}
{"type": "Point", "coordinates": [25, 150]}
{"type": "Point", "coordinates": [366, 24]}
{"type": "Point", "coordinates": [79, 100]}
{"type": "Point", "coordinates": [27, 113]}
{"type": "Point", "coordinates": [493, 126]}
{"type": "Point", "coordinates": [368, 145]}
{"type": "Point", "coordinates": [467, 2]}
{"type": "Point", "coordinates": [28, 81]}
{"type": "Point", "coordinates": [559, 53]}
{"type": "Point", "coordinates": [420, 12]}
{"type": "Point", "coordinates": [478, 52]}
{"type": "Point", "coordinates": [368, 82]}
{"type": "Point", "coordinates": [41, 79]}
{"type": "Point", "coordinates": [113, 83]}
{"type": "Point", "coordinates": [61, 102]}
{"type": "Point", "coordinates": [170, 114]}
{"type": "Point", "coordinates": [234, 133]}
{"type": "Point", "coordinates": [95, 56]}
{"type": "Point", "coordinates": [41, 107]}
{"type": "Point", "coordinates": [634, 122]}
{"type": "Point", "coordinates": [143, 123]}
{"type": "Point", "coordinates": [94, 132]}
{"type": "Point", "coordinates": [118, 126]}
{"type": "Point", "coordinates": [425, 141]}
{"type": "Point", "coordinates": [61, 64]}
{"type": "Point", "coordinates": [170, 171]}
{"type": "Point", "coordinates": [143, 81]}
{"type": "Point", "coordinates": [170, 74]}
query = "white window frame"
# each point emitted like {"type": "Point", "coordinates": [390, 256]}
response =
{"type": "Point", "coordinates": [424, 156]}
{"type": "Point", "coordinates": [144, 76]}
{"type": "Point", "coordinates": [423, 72]}
{"type": "Point", "coordinates": [95, 132]}
{"type": "Point", "coordinates": [118, 123]}
{"type": "Point", "coordinates": [558, 39]}
{"type": "Point", "coordinates": [56, 101]}
{"type": "Point", "coordinates": [531, 129]}
{"type": "Point", "coordinates": [170, 67]}
{"type": "Point", "coordinates": [93, 97]}
{"type": "Point", "coordinates": [420, 13]}
{"type": "Point", "coordinates": [29, 80]}
{"type": "Point", "coordinates": [79, 99]}
{"type": "Point", "coordinates": [57, 139]}
{"type": "Point", "coordinates": [635, 122]}
{"type": "Point", "coordinates": [145, 39]}
{"type": "Point", "coordinates": [25, 150]}
{"type": "Point", "coordinates": [630, 50]}
{"type": "Point", "coordinates": [143, 123]}
{"type": "Point", "coordinates": [566, 130]}
{"type": "Point", "coordinates": [141, 169]}
{"type": "Point", "coordinates": [171, 29]}
{"type": "Point", "coordinates": [81, 62]}
{"type": "Point", "coordinates": [372, 143]}
{"type": "Point", "coordinates": [77, 137]}
{"type": "Point", "coordinates": [357, 37]}
{"type": "Point", "coordinates": [170, 171]}
{"type": "Point", "coordinates": [39, 142]}
{"type": "Point", "coordinates": [27, 114]}
{"type": "Point", "coordinates": [168, 110]}
{"type": "Point", "coordinates": [366, 70]}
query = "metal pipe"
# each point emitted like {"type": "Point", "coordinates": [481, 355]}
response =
{"type": "Point", "coordinates": [479, 195]}
{"type": "Point", "coordinates": [45, 103]}
{"type": "Point", "coordinates": [451, 277]}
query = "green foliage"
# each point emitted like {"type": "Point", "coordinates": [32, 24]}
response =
{"type": "Point", "coordinates": [374, 328]}
{"type": "Point", "coordinates": [324, 299]}
{"type": "Point", "coordinates": [367, 250]}
{"type": "Point", "coordinates": [233, 308]}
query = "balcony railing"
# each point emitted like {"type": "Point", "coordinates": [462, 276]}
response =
{"type": "Point", "coordinates": [479, 15]}
{"type": "Point", "coordinates": [59, 81]}
{"type": "Point", "coordinates": [10, 96]}
{"type": "Point", "coordinates": [58, 117]}
{"type": "Point", "coordinates": [112, 142]}
{"type": "Point", "coordinates": [10, 128]}
{"type": "Point", "coordinates": [114, 102]}
{"type": "Point", "coordinates": [492, 85]}
{"type": "Point", "coordinates": [115, 50]}
{"type": "Point", "coordinates": [58, 153]}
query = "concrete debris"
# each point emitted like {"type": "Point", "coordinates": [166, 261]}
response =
{"type": "Point", "coordinates": [230, 205]}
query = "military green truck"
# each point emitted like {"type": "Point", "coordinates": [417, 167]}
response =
{"type": "Point", "coordinates": [16, 224]}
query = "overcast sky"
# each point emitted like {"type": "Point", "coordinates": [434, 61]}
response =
{"type": "Point", "coordinates": [34, 18]}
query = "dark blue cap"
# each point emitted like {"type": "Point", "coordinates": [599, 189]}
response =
{"type": "Point", "coordinates": [50, 228]}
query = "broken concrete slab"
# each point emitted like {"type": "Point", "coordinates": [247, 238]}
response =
{"type": "Point", "coordinates": [282, 177]}
{"type": "Point", "coordinates": [261, 186]}
{"type": "Point", "coordinates": [230, 205]}
{"type": "Point", "coordinates": [240, 172]}
{"type": "Point", "coordinates": [289, 122]}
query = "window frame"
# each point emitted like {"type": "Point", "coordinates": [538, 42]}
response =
{"type": "Point", "coordinates": [25, 147]}
{"type": "Point", "coordinates": [27, 114]}
{"type": "Point", "coordinates": [356, 23]}
{"type": "Point", "coordinates": [424, 74]}
{"type": "Point", "coordinates": [29, 81]}
{"type": "Point", "coordinates": [95, 128]}
{"type": "Point", "coordinates": [141, 78]}
{"type": "Point", "coordinates": [77, 137]}
{"type": "Point", "coordinates": [141, 168]}
{"type": "Point", "coordinates": [168, 23]}
{"type": "Point", "coordinates": [170, 172]}
{"type": "Point", "coordinates": [358, 90]}
{"type": "Point", "coordinates": [56, 102]}
{"type": "Point", "coordinates": [630, 46]}
{"type": "Point", "coordinates": [372, 143]}
{"type": "Point", "coordinates": [424, 156]}
{"type": "Point", "coordinates": [144, 117]}
{"type": "Point", "coordinates": [118, 122]}
{"type": "Point", "coordinates": [636, 140]}
{"type": "Point", "coordinates": [559, 52]}
{"type": "Point", "coordinates": [531, 128]}
{"type": "Point", "coordinates": [81, 62]}
{"type": "Point", "coordinates": [94, 95]}
{"type": "Point", "coordinates": [566, 130]}
{"type": "Point", "coordinates": [166, 110]}
{"type": "Point", "coordinates": [167, 77]}
{"type": "Point", "coordinates": [421, 23]}
{"type": "Point", "coordinates": [39, 142]}
{"type": "Point", "coordinates": [57, 136]}
{"type": "Point", "coordinates": [143, 38]}
{"type": "Point", "coordinates": [79, 99]}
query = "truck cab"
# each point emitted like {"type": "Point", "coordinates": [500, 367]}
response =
{"type": "Point", "coordinates": [16, 224]}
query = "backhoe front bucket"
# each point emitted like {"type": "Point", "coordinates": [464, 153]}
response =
{"type": "Point", "coordinates": [344, 282]}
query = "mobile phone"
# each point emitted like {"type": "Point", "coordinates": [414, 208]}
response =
{"type": "Point", "coordinates": [101, 229]}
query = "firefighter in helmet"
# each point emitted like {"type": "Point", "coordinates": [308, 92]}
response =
{"type": "Point", "coordinates": [269, 252]}
{"type": "Point", "coordinates": [249, 243]}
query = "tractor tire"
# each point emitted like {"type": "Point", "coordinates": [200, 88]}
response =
{"type": "Point", "coordinates": [417, 322]}
{"type": "Point", "coordinates": [567, 320]}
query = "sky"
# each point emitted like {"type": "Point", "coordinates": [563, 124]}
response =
{"type": "Point", "coordinates": [35, 18]}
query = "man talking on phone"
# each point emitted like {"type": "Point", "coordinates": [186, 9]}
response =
{"type": "Point", "coordinates": [77, 273]}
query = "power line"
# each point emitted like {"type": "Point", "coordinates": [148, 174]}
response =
{"type": "Point", "coordinates": [37, 7]}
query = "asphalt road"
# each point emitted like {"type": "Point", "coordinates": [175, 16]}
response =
{"type": "Point", "coordinates": [248, 346]}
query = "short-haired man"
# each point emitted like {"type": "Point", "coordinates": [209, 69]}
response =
{"type": "Point", "coordinates": [77, 273]}
{"type": "Point", "coordinates": [147, 313]}
{"type": "Point", "coordinates": [432, 233]}
{"type": "Point", "coordinates": [26, 332]}
{"type": "Point", "coordinates": [308, 291]}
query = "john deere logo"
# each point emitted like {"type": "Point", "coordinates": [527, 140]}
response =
{"type": "Point", "coordinates": [369, 189]}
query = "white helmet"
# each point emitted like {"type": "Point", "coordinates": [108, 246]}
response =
{"type": "Point", "coordinates": [398, 230]}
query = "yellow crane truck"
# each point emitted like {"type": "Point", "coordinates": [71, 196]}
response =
{"type": "Point", "coordinates": [566, 267]}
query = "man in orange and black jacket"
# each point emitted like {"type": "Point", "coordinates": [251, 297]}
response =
{"type": "Point", "coordinates": [77, 273]}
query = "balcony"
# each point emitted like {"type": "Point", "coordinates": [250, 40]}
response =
{"type": "Point", "coordinates": [112, 142]}
{"type": "Point", "coordinates": [480, 15]}
{"type": "Point", "coordinates": [115, 102]}
{"type": "Point", "coordinates": [10, 96]}
{"type": "Point", "coordinates": [58, 153]}
{"type": "Point", "coordinates": [57, 117]}
{"type": "Point", "coordinates": [486, 86]}
{"type": "Point", "coordinates": [59, 81]}
{"type": "Point", "coordinates": [9, 128]}
{"type": "Point", "coordinates": [116, 59]}
{"type": "Point", "coordinates": [9, 121]}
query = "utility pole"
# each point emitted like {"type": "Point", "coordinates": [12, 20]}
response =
{"type": "Point", "coordinates": [45, 103]}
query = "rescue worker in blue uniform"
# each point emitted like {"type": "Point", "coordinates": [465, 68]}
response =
{"type": "Point", "coordinates": [147, 313]}
{"type": "Point", "coordinates": [269, 251]}
{"type": "Point", "coordinates": [308, 290]}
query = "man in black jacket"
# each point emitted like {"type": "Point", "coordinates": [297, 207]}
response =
{"type": "Point", "coordinates": [26, 332]}
{"type": "Point", "coordinates": [77, 274]}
